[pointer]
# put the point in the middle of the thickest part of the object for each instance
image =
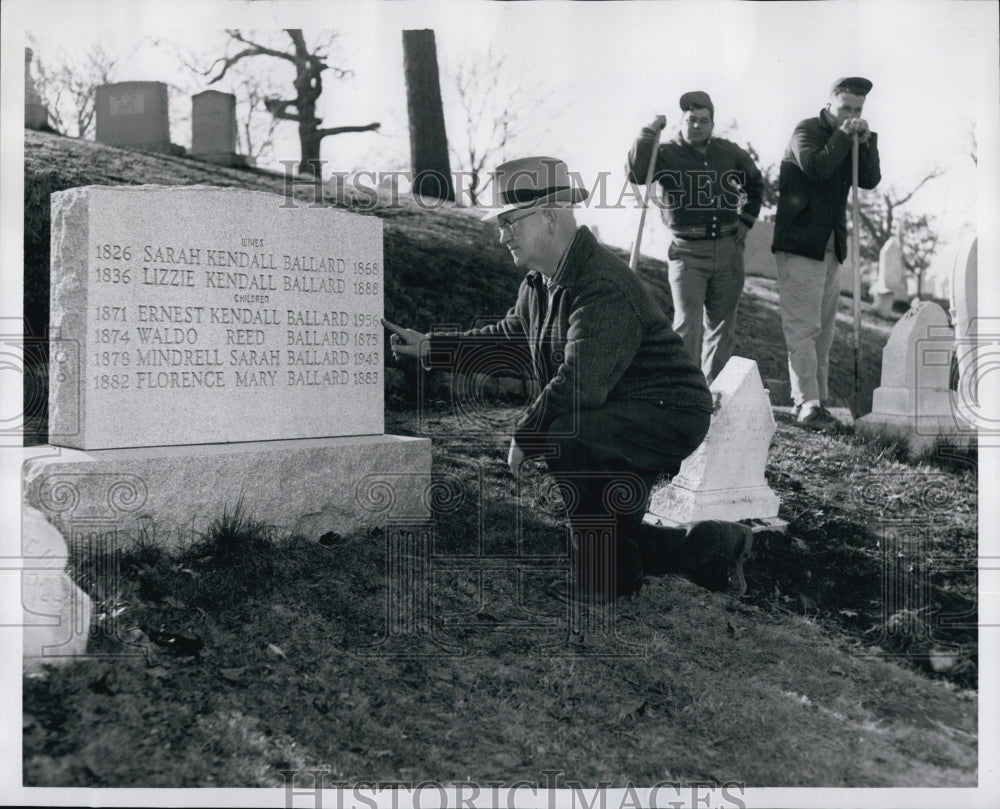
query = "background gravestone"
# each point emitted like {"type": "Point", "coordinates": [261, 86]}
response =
{"type": "Point", "coordinates": [133, 114]}
{"type": "Point", "coordinates": [36, 116]}
{"type": "Point", "coordinates": [212, 345]}
{"type": "Point", "coordinates": [757, 256]}
{"type": "Point", "coordinates": [913, 400]}
{"type": "Point", "coordinates": [213, 127]}
{"type": "Point", "coordinates": [890, 286]}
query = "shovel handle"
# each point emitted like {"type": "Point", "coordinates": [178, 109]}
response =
{"type": "Point", "coordinates": [633, 261]}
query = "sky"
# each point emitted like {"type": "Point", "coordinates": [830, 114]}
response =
{"type": "Point", "coordinates": [603, 70]}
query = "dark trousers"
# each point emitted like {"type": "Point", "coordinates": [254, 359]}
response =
{"type": "Point", "coordinates": [605, 461]}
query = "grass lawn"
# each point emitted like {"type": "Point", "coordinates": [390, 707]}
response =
{"type": "Point", "coordinates": [250, 653]}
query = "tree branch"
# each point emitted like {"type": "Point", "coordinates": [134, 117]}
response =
{"type": "Point", "coordinates": [934, 173]}
{"type": "Point", "coordinates": [340, 130]}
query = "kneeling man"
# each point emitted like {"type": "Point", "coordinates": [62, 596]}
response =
{"type": "Point", "coordinates": [621, 402]}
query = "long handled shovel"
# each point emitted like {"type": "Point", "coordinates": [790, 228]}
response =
{"type": "Point", "coordinates": [633, 261]}
{"type": "Point", "coordinates": [855, 265]}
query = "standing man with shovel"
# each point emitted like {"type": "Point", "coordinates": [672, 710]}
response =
{"type": "Point", "coordinates": [711, 194]}
{"type": "Point", "coordinates": [810, 237]}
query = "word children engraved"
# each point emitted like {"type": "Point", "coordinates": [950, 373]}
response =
{"type": "Point", "coordinates": [205, 315]}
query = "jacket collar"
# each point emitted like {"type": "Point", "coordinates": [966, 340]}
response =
{"type": "Point", "coordinates": [824, 119]}
{"type": "Point", "coordinates": [576, 256]}
{"type": "Point", "coordinates": [678, 139]}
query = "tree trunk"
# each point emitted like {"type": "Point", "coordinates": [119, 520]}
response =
{"type": "Point", "coordinates": [309, 164]}
{"type": "Point", "coordinates": [428, 140]}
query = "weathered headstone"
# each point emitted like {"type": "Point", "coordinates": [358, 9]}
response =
{"type": "Point", "coordinates": [133, 114]}
{"type": "Point", "coordinates": [965, 319]}
{"type": "Point", "coordinates": [890, 286]}
{"type": "Point", "coordinates": [213, 127]}
{"type": "Point", "coordinates": [913, 400]}
{"type": "Point", "coordinates": [36, 115]}
{"type": "Point", "coordinates": [757, 256]}
{"type": "Point", "coordinates": [211, 345]}
{"type": "Point", "coordinates": [846, 272]}
{"type": "Point", "coordinates": [724, 478]}
{"type": "Point", "coordinates": [56, 612]}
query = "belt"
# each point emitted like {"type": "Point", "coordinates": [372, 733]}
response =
{"type": "Point", "coordinates": [702, 234]}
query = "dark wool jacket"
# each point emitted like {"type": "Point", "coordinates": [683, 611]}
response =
{"type": "Point", "coordinates": [699, 190]}
{"type": "Point", "coordinates": [813, 186]}
{"type": "Point", "coordinates": [603, 338]}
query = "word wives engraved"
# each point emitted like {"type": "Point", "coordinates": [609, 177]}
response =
{"type": "Point", "coordinates": [189, 317]}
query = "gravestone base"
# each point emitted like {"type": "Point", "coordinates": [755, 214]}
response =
{"type": "Point", "coordinates": [883, 302]}
{"type": "Point", "coordinates": [36, 116]}
{"type": "Point", "coordinates": [676, 505]}
{"type": "Point", "coordinates": [305, 486]}
{"type": "Point", "coordinates": [921, 422]}
{"type": "Point", "coordinates": [229, 159]}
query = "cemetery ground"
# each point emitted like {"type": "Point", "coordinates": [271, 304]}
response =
{"type": "Point", "coordinates": [851, 661]}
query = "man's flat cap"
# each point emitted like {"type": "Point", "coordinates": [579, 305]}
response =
{"type": "Point", "coordinates": [852, 84]}
{"type": "Point", "coordinates": [697, 98]}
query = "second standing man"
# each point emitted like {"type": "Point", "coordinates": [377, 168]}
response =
{"type": "Point", "coordinates": [711, 193]}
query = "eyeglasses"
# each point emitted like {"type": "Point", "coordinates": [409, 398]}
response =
{"type": "Point", "coordinates": [508, 226]}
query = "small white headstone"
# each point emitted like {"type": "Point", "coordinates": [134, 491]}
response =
{"type": "Point", "coordinates": [56, 611]}
{"type": "Point", "coordinates": [891, 272]}
{"type": "Point", "coordinates": [724, 478]}
{"type": "Point", "coordinates": [913, 400]}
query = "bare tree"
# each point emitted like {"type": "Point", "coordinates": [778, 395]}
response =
{"type": "Point", "coordinates": [309, 64]}
{"type": "Point", "coordinates": [881, 219]}
{"type": "Point", "coordinates": [491, 103]}
{"type": "Point", "coordinates": [68, 86]}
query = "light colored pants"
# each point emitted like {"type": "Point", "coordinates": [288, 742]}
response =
{"type": "Point", "coordinates": [706, 280]}
{"type": "Point", "coordinates": [809, 291]}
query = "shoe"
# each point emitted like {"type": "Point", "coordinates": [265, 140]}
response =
{"type": "Point", "coordinates": [817, 418]}
{"type": "Point", "coordinates": [738, 553]}
{"type": "Point", "coordinates": [724, 572]}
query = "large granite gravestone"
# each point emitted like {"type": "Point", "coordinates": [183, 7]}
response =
{"type": "Point", "coordinates": [890, 285]}
{"type": "Point", "coordinates": [133, 114]}
{"type": "Point", "coordinates": [213, 127]}
{"type": "Point", "coordinates": [913, 400]}
{"type": "Point", "coordinates": [724, 478]}
{"type": "Point", "coordinates": [211, 345]}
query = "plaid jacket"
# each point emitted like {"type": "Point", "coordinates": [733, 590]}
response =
{"type": "Point", "coordinates": [592, 335]}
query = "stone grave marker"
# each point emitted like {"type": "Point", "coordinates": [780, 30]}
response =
{"type": "Point", "coordinates": [913, 400]}
{"type": "Point", "coordinates": [133, 114]}
{"type": "Point", "coordinates": [213, 127]}
{"type": "Point", "coordinates": [56, 612]}
{"type": "Point", "coordinates": [724, 478]}
{"type": "Point", "coordinates": [211, 345]}
{"type": "Point", "coordinates": [757, 256]}
{"type": "Point", "coordinates": [890, 286]}
{"type": "Point", "coordinates": [968, 329]}
{"type": "Point", "coordinates": [36, 115]}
